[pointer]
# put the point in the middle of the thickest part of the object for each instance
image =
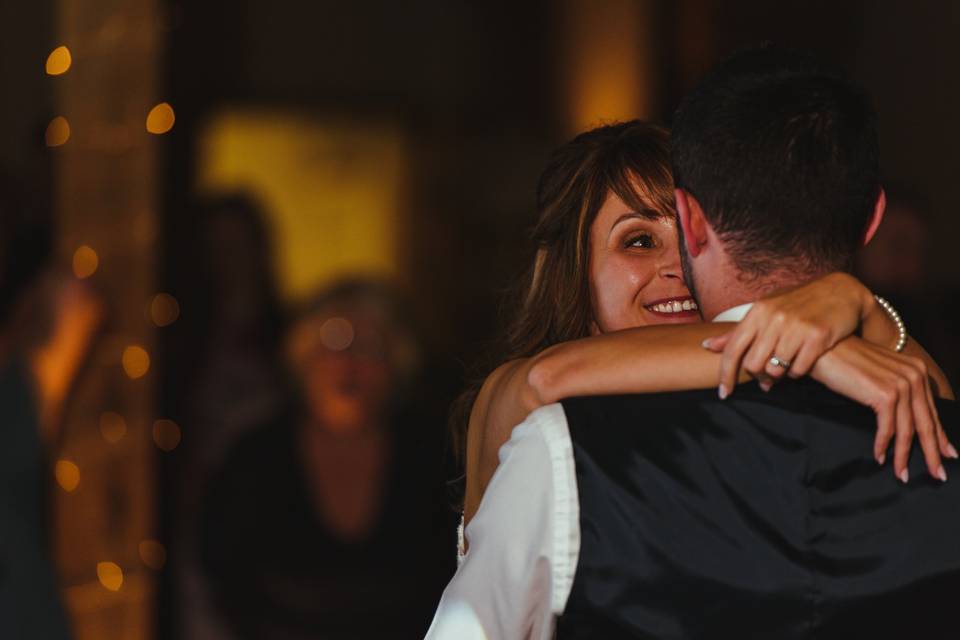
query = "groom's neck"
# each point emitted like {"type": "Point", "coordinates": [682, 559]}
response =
{"type": "Point", "coordinates": [734, 288]}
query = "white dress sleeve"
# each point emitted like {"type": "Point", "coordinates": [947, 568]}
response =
{"type": "Point", "coordinates": [524, 541]}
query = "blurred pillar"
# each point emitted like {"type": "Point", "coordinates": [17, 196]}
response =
{"type": "Point", "coordinates": [609, 53]}
{"type": "Point", "coordinates": [106, 197]}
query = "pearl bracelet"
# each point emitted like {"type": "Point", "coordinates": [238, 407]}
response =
{"type": "Point", "coordinates": [897, 320]}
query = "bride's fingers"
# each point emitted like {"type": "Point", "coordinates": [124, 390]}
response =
{"type": "Point", "coordinates": [914, 372]}
{"type": "Point", "coordinates": [810, 351]}
{"type": "Point", "coordinates": [947, 449]}
{"type": "Point", "coordinates": [885, 432]}
{"type": "Point", "coordinates": [717, 343]}
{"type": "Point", "coordinates": [927, 434]}
{"type": "Point", "coordinates": [758, 355]}
{"type": "Point", "coordinates": [905, 431]}
{"type": "Point", "coordinates": [737, 345]}
{"type": "Point", "coordinates": [786, 351]}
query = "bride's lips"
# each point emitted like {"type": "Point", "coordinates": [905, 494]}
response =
{"type": "Point", "coordinates": [667, 308]}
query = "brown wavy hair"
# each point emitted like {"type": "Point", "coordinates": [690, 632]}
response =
{"type": "Point", "coordinates": [554, 302]}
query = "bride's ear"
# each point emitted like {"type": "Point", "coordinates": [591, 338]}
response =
{"type": "Point", "coordinates": [878, 209]}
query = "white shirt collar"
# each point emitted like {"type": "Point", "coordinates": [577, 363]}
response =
{"type": "Point", "coordinates": [735, 314]}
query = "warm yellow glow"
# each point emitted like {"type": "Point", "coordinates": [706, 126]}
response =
{"type": "Point", "coordinates": [153, 554]}
{"type": "Point", "coordinates": [85, 262]}
{"type": "Point", "coordinates": [609, 65]}
{"type": "Point", "coordinates": [333, 190]}
{"type": "Point", "coordinates": [112, 427]}
{"type": "Point", "coordinates": [160, 119]}
{"type": "Point", "coordinates": [164, 309]}
{"type": "Point", "coordinates": [136, 361]}
{"type": "Point", "coordinates": [67, 474]}
{"type": "Point", "coordinates": [110, 575]}
{"type": "Point", "coordinates": [59, 61]}
{"type": "Point", "coordinates": [166, 434]}
{"type": "Point", "coordinates": [58, 132]}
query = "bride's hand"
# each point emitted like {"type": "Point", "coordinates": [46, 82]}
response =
{"type": "Point", "coordinates": [795, 327]}
{"type": "Point", "coordinates": [897, 388]}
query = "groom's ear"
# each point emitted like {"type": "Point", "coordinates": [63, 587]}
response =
{"type": "Point", "coordinates": [692, 222]}
{"type": "Point", "coordinates": [878, 208]}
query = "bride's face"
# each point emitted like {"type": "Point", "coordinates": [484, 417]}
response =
{"type": "Point", "coordinates": [635, 275]}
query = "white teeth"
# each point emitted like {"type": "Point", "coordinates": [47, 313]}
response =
{"type": "Point", "coordinates": [675, 306]}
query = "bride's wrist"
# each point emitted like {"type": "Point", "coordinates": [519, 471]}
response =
{"type": "Point", "coordinates": [877, 326]}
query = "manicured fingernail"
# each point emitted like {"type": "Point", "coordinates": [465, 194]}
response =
{"type": "Point", "coordinates": [942, 474]}
{"type": "Point", "coordinates": [951, 452]}
{"type": "Point", "coordinates": [766, 386]}
{"type": "Point", "coordinates": [706, 343]}
{"type": "Point", "coordinates": [881, 459]}
{"type": "Point", "coordinates": [722, 392]}
{"type": "Point", "coordinates": [904, 476]}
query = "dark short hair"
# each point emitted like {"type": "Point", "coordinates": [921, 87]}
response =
{"type": "Point", "coordinates": [781, 152]}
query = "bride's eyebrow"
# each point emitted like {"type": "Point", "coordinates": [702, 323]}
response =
{"type": "Point", "coordinates": [643, 214]}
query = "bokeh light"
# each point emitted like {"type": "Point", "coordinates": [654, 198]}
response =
{"type": "Point", "coordinates": [58, 132]}
{"type": "Point", "coordinates": [113, 427]}
{"type": "Point", "coordinates": [153, 554]}
{"type": "Point", "coordinates": [67, 474]}
{"type": "Point", "coordinates": [85, 262]}
{"type": "Point", "coordinates": [59, 61]}
{"type": "Point", "coordinates": [336, 334]}
{"type": "Point", "coordinates": [164, 309]}
{"type": "Point", "coordinates": [136, 361]}
{"type": "Point", "coordinates": [166, 434]}
{"type": "Point", "coordinates": [110, 575]}
{"type": "Point", "coordinates": [161, 118]}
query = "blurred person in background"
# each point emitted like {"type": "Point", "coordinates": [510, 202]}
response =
{"type": "Point", "coordinates": [47, 323]}
{"type": "Point", "coordinates": [331, 522]}
{"type": "Point", "coordinates": [226, 367]}
{"type": "Point", "coordinates": [896, 264]}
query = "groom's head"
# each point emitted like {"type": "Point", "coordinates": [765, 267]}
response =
{"type": "Point", "coordinates": [775, 161]}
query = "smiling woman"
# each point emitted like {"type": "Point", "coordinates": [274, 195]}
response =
{"type": "Point", "coordinates": [607, 269]}
{"type": "Point", "coordinates": [635, 254]}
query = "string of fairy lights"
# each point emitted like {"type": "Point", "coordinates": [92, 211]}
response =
{"type": "Point", "coordinates": [162, 310]}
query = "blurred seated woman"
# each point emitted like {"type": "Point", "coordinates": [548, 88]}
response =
{"type": "Point", "coordinates": [332, 522]}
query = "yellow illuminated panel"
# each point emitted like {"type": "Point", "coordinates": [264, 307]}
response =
{"type": "Point", "coordinates": [332, 189]}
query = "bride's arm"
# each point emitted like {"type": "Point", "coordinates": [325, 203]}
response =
{"type": "Point", "coordinates": [669, 358]}
{"type": "Point", "coordinates": [642, 360]}
{"type": "Point", "coordinates": [762, 333]}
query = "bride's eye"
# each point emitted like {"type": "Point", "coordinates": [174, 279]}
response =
{"type": "Point", "coordinates": [641, 241]}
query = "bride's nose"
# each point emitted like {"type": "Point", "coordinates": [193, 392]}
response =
{"type": "Point", "coordinates": [669, 266]}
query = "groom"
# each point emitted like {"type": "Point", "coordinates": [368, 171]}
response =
{"type": "Point", "coordinates": [761, 516]}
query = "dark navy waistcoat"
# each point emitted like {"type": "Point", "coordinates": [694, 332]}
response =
{"type": "Point", "coordinates": [761, 516]}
